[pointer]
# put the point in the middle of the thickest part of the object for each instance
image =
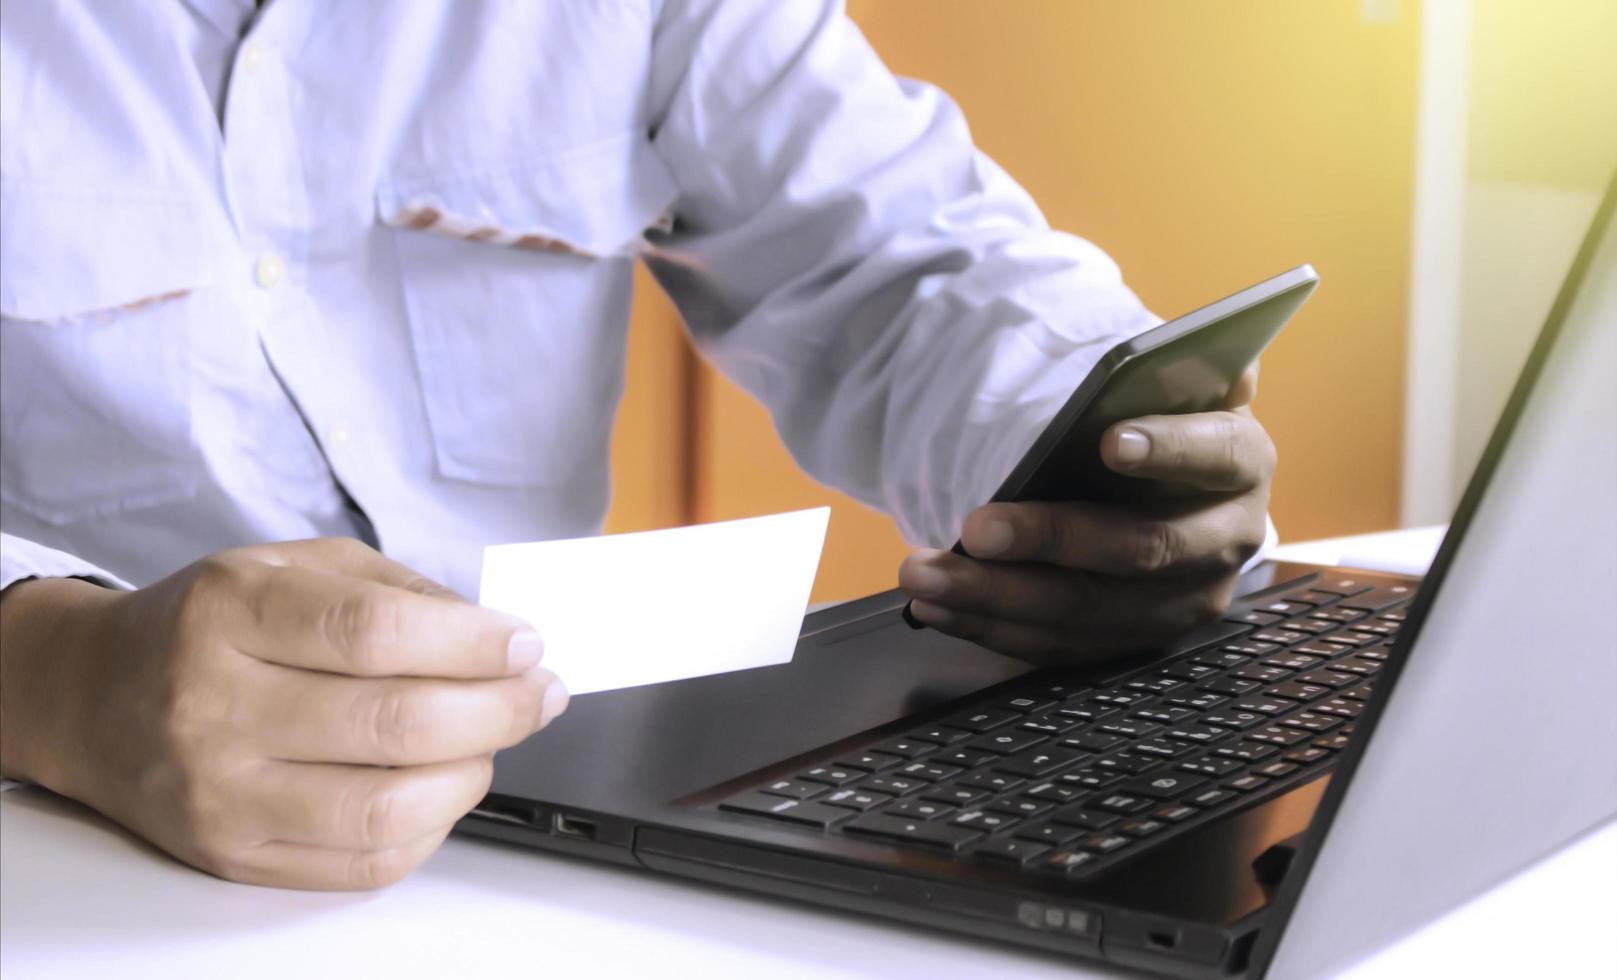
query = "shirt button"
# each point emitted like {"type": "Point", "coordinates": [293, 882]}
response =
{"type": "Point", "coordinates": [338, 437]}
{"type": "Point", "coordinates": [251, 55]}
{"type": "Point", "coordinates": [269, 271]}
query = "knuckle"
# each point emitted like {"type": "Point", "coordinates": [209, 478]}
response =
{"type": "Point", "coordinates": [369, 870]}
{"type": "Point", "coordinates": [382, 818]}
{"type": "Point", "coordinates": [399, 724]}
{"type": "Point", "coordinates": [363, 629]}
{"type": "Point", "coordinates": [1156, 546]}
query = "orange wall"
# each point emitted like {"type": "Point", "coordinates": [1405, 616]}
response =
{"type": "Point", "coordinates": [1205, 147]}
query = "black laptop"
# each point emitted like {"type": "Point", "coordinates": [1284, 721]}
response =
{"type": "Point", "coordinates": [1163, 812]}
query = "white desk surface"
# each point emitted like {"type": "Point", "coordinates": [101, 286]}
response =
{"type": "Point", "coordinates": [81, 898]}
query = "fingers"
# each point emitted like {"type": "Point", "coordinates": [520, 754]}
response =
{"type": "Point", "coordinates": [1219, 451]}
{"type": "Point", "coordinates": [399, 721]}
{"type": "Point", "coordinates": [1069, 602]}
{"type": "Point", "coordinates": [333, 622]}
{"type": "Point", "coordinates": [284, 865]}
{"type": "Point", "coordinates": [363, 808]}
{"type": "Point", "coordinates": [349, 557]}
{"type": "Point", "coordinates": [1113, 541]}
{"type": "Point", "coordinates": [1245, 389]}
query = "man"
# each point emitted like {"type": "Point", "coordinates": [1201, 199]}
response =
{"type": "Point", "coordinates": [290, 289]}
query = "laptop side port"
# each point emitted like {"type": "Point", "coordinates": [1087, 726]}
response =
{"type": "Point", "coordinates": [510, 811]}
{"type": "Point", "coordinates": [575, 827]}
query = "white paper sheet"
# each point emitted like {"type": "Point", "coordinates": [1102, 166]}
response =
{"type": "Point", "coordinates": [628, 609]}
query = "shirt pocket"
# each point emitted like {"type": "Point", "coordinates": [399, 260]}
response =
{"type": "Point", "coordinates": [96, 310]}
{"type": "Point", "coordinates": [517, 281]}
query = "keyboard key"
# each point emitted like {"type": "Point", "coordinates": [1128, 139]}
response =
{"type": "Point", "coordinates": [1296, 690]}
{"type": "Point", "coordinates": [1141, 827]}
{"type": "Point", "coordinates": [1250, 649]}
{"type": "Point", "coordinates": [1351, 638]}
{"type": "Point", "coordinates": [1067, 862]}
{"type": "Point", "coordinates": [1246, 783]}
{"type": "Point", "coordinates": [1128, 727]}
{"type": "Point", "coordinates": [1084, 818]}
{"type": "Point", "coordinates": [1380, 629]}
{"type": "Point", "coordinates": [1305, 756]}
{"type": "Point", "coordinates": [1246, 751]}
{"type": "Point", "coordinates": [1211, 765]}
{"type": "Point", "coordinates": [1061, 691]}
{"type": "Point", "coordinates": [919, 809]}
{"type": "Point", "coordinates": [1162, 786]}
{"type": "Point", "coordinates": [1327, 678]}
{"type": "Point", "coordinates": [1048, 833]}
{"type": "Point", "coordinates": [1121, 699]}
{"type": "Point", "coordinates": [832, 775]}
{"type": "Point", "coordinates": [1008, 741]}
{"type": "Point", "coordinates": [1332, 743]}
{"type": "Point", "coordinates": [956, 793]}
{"type": "Point", "coordinates": [1264, 706]}
{"type": "Point", "coordinates": [1091, 741]}
{"type": "Point", "coordinates": [1164, 715]}
{"type": "Point", "coordinates": [1089, 710]}
{"type": "Point", "coordinates": [1220, 659]}
{"type": "Point", "coordinates": [1337, 615]}
{"type": "Point", "coordinates": [1104, 843]}
{"type": "Point", "coordinates": [782, 808]}
{"type": "Point", "coordinates": [1310, 625]}
{"type": "Point", "coordinates": [1155, 685]}
{"type": "Point", "coordinates": [939, 735]}
{"type": "Point", "coordinates": [1010, 850]}
{"type": "Point", "coordinates": [1312, 597]}
{"type": "Point", "coordinates": [1320, 648]}
{"type": "Point", "coordinates": [966, 758]}
{"type": "Point", "coordinates": [1021, 806]}
{"type": "Point", "coordinates": [1175, 813]}
{"type": "Point", "coordinates": [1125, 803]}
{"type": "Point", "coordinates": [1231, 719]}
{"type": "Point", "coordinates": [1291, 661]}
{"type": "Point", "coordinates": [868, 761]}
{"type": "Point", "coordinates": [982, 721]}
{"type": "Point", "coordinates": [894, 785]}
{"type": "Point", "coordinates": [905, 748]}
{"type": "Point", "coordinates": [1356, 666]}
{"type": "Point", "coordinates": [1276, 770]}
{"type": "Point", "coordinates": [1126, 762]}
{"type": "Point", "coordinates": [1037, 762]}
{"type": "Point", "coordinates": [1161, 747]}
{"type": "Point", "coordinates": [1340, 707]}
{"type": "Point", "coordinates": [931, 833]}
{"type": "Point", "coordinates": [929, 771]}
{"type": "Point", "coordinates": [1286, 607]}
{"type": "Point", "coordinates": [856, 799]}
{"type": "Point", "coordinates": [1260, 673]}
{"type": "Point", "coordinates": [1312, 722]}
{"type": "Point", "coordinates": [1050, 723]}
{"type": "Point", "coordinates": [1025, 703]}
{"type": "Point", "coordinates": [1209, 798]}
{"type": "Point", "coordinates": [1197, 734]}
{"type": "Point", "coordinates": [797, 789]}
{"type": "Point", "coordinates": [1199, 700]}
{"type": "Point", "coordinates": [1058, 792]}
{"type": "Point", "coordinates": [1187, 670]}
{"type": "Point", "coordinates": [1378, 599]}
{"type": "Point", "coordinates": [1089, 778]}
{"type": "Point", "coordinates": [1340, 585]}
{"type": "Point", "coordinates": [986, 820]}
{"type": "Point", "coordinates": [994, 782]}
{"type": "Point", "coordinates": [1230, 685]}
{"type": "Point", "coordinates": [1284, 638]}
{"type": "Point", "coordinates": [1254, 618]}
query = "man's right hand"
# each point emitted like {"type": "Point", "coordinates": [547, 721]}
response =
{"type": "Point", "coordinates": [308, 714]}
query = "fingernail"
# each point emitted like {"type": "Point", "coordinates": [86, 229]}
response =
{"type": "Point", "coordinates": [918, 576]}
{"type": "Point", "coordinates": [525, 649]}
{"type": "Point", "coordinates": [994, 537]}
{"type": "Point", "coordinates": [1132, 446]}
{"type": "Point", "coordinates": [556, 699]}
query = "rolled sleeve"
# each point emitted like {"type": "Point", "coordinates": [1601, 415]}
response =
{"type": "Point", "coordinates": [23, 559]}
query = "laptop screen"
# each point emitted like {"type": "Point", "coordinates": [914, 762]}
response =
{"type": "Point", "coordinates": [1497, 740]}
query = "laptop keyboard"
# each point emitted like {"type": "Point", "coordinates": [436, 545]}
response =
{"type": "Point", "coordinates": [1067, 778]}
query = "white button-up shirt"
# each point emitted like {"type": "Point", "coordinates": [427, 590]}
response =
{"type": "Point", "coordinates": [364, 268]}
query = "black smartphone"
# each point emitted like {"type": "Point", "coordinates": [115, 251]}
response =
{"type": "Point", "coordinates": [1186, 365]}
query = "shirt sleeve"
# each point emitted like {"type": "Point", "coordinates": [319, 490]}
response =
{"type": "Point", "coordinates": [844, 253]}
{"type": "Point", "coordinates": [23, 559]}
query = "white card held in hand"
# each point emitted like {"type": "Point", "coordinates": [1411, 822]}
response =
{"type": "Point", "coordinates": [627, 609]}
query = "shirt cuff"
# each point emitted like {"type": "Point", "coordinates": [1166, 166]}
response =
{"type": "Point", "coordinates": [23, 559]}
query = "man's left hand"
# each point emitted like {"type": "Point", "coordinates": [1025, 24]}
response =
{"type": "Point", "coordinates": [1061, 583]}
